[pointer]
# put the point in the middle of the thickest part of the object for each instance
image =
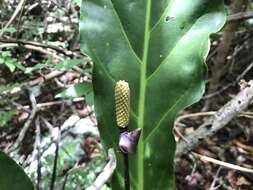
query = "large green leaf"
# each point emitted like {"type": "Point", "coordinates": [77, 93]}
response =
{"type": "Point", "coordinates": [159, 48]}
{"type": "Point", "coordinates": [12, 176]}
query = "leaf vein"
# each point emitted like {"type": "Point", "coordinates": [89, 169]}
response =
{"type": "Point", "coordinates": [169, 53]}
{"type": "Point", "coordinates": [161, 17]}
{"type": "Point", "coordinates": [124, 33]}
{"type": "Point", "coordinates": [166, 113]}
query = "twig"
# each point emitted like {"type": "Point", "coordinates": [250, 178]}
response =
{"type": "Point", "coordinates": [177, 121]}
{"type": "Point", "coordinates": [35, 48]}
{"type": "Point", "coordinates": [48, 52]}
{"type": "Point", "coordinates": [240, 16]}
{"type": "Point", "coordinates": [21, 107]}
{"type": "Point", "coordinates": [179, 134]}
{"type": "Point", "coordinates": [49, 126]}
{"type": "Point", "coordinates": [107, 172]}
{"type": "Point", "coordinates": [71, 171]}
{"type": "Point", "coordinates": [19, 20]}
{"type": "Point", "coordinates": [68, 53]}
{"type": "Point", "coordinates": [218, 121]}
{"type": "Point", "coordinates": [64, 181]}
{"type": "Point", "coordinates": [47, 77]}
{"type": "Point", "coordinates": [37, 145]}
{"type": "Point", "coordinates": [213, 187]}
{"type": "Point", "coordinates": [35, 82]}
{"type": "Point", "coordinates": [238, 78]}
{"type": "Point", "coordinates": [218, 162]}
{"type": "Point", "coordinates": [26, 125]}
{"type": "Point", "coordinates": [42, 48]}
{"type": "Point", "coordinates": [203, 114]}
{"type": "Point", "coordinates": [64, 132]}
{"type": "Point", "coordinates": [14, 15]}
{"type": "Point", "coordinates": [243, 146]}
{"type": "Point", "coordinates": [57, 141]}
{"type": "Point", "coordinates": [48, 104]}
{"type": "Point", "coordinates": [223, 164]}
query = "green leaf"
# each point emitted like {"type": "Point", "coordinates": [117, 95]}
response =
{"type": "Point", "coordinates": [8, 87]}
{"type": "Point", "coordinates": [9, 29]}
{"type": "Point", "coordinates": [75, 90]}
{"type": "Point", "coordinates": [12, 176]}
{"type": "Point", "coordinates": [1, 60]}
{"type": "Point", "coordinates": [6, 54]}
{"type": "Point", "coordinates": [6, 116]}
{"type": "Point", "coordinates": [68, 64]}
{"type": "Point", "coordinates": [29, 70]}
{"type": "Point", "coordinates": [159, 48]}
{"type": "Point", "coordinates": [19, 66]}
{"type": "Point", "coordinates": [89, 98]}
{"type": "Point", "coordinates": [10, 64]}
{"type": "Point", "coordinates": [7, 59]}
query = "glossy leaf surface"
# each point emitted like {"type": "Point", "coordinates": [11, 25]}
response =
{"type": "Point", "coordinates": [159, 48]}
{"type": "Point", "coordinates": [12, 176]}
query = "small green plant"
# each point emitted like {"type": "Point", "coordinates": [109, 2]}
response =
{"type": "Point", "coordinates": [159, 48]}
{"type": "Point", "coordinates": [7, 111]}
{"type": "Point", "coordinates": [77, 90]}
{"type": "Point", "coordinates": [5, 116]}
{"type": "Point", "coordinates": [7, 60]}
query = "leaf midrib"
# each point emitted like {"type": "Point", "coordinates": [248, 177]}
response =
{"type": "Point", "coordinates": [142, 95]}
{"type": "Point", "coordinates": [124, 33]}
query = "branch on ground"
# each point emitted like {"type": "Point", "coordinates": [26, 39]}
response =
{"type": "Point", "coordinates": [222, 117]}
{"type": "Point", "coordinates": [106, 174]}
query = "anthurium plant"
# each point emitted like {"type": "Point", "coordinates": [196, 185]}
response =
{"type": "Point", "coordinates": [159, 48]}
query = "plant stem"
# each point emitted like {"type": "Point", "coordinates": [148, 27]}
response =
{"type": "Point", "coordinates": [125, 162]}
{"type": "Point", "coordinates": [126, 171]}
{"type": "Point", "coordinates": [53, 178]}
